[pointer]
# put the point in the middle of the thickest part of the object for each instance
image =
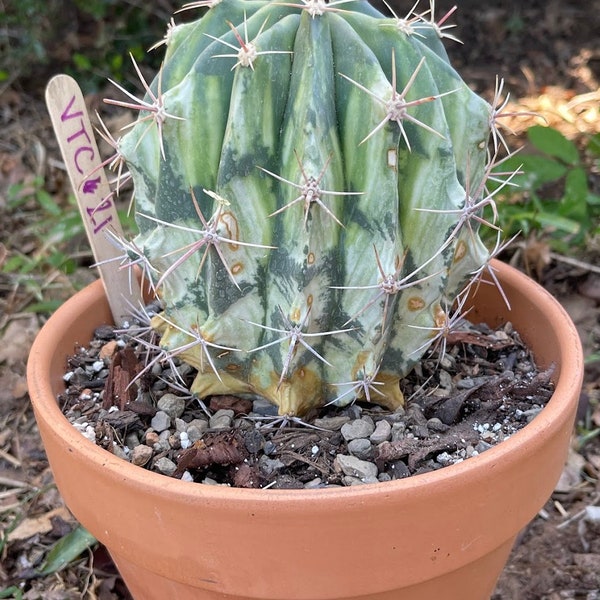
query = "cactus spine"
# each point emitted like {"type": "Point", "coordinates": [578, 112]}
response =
{"type": "Point", "coordinates": [309, 179]}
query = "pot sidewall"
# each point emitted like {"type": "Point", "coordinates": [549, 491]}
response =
{"type": "Point", "coordinates": [292, 543]}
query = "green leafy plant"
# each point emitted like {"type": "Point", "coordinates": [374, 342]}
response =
{"type": "Point", "coordinates": [309, 180]}
{"type": "Point", "coordinates": [552, 193]}
{"type": "Point", "coordinates": [45, 244]}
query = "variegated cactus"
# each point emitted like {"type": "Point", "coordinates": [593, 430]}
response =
{"type": "Point", "coordinates": [309, 180]}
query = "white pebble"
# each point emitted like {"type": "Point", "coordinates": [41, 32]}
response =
{"type": "Point", "coordinates": [184, 440]}
{"type": "Point", "coordinates": [89, 433]}
{"type": "Point", "coordinates": [97, 366]}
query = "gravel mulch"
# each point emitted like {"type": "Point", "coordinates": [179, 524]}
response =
{"type": "Point", "coordinates": [483, 389]}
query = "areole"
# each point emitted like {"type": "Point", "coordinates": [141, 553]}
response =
{"type": "Point", "coordinates": [445, 534]}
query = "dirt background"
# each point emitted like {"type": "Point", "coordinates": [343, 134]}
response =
{"type": "Point", "coordinates": [549, 55]}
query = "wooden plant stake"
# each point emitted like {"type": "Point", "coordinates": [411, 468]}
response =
{"type": "Point", "coordinates": [75, 136]}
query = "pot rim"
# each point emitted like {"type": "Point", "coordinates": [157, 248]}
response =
{"type": "Point", "coordinates": [570, 355]}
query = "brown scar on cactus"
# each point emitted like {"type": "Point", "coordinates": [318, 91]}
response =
{"type": "Point", "coordinates": [447, 320]}
{"type": "Point", "coordinates": [389, 285]}
{"type": "Point", "coordinates": [208, 237]}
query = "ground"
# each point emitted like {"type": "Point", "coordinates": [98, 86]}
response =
{"type": "Point", "coordinates": [548, 55]}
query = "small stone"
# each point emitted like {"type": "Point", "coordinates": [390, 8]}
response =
{"type": "Point", "coordinates": [399, 470]}
{"type": "Point", "coordinates": [184, 369]}
{"type": "Point", "coordinates": [270, 447]}
{"type": "Point", "coordinates": [222, 419]}
{"type": "Point", "coordinates": [97, 366]}
{"type": "Point", "coordinates": [180, 425]}
{"type": "Point", "coordinates": [141, 454]}
{"type": "Point", "coordinates": [488, 436]}
{"type": "Point", "coordinates": [361, 448]}
{"type": "Point", "coordinates": [132, 440]}
{"type": "Point", "coordinates": [313, 484]}
{"type": "Point", "coordinates": [253, 440]}
{"type": "Point", "coordinates": [161, 421]}
{"type": "Point", "coordinates": [151, 438]}
{"type": "Point", "coordinates": [165, 466]}
{"type": "Point", "coordinates": [331, 423]}
{"type": "Point", "coordinates": [398, 431]}
{"type": "Point", "coordinates": [263, 407]}
{"type": "Point", "coordinates": [268, 466]}
{"type": "Point", "coordinates": [187, 476]}
{"type": "Point", "coordinates": [157, 369]}
{"type": "Point", "coordinates": [172, 405]}
{"type": "Point", "coordinates": [119, 451]}
{"type": "Point", "coordinates": [353, 411]}
{"type": "Point", "coordinates": [184, 440]}
{"type": "Point", "coordinates": [108, 350]}
{"type": "Point", "coordinates": [415, 415]}
{"type": "Point", "coordinates": [159, 385]}
{"type": "Point", "coordinates": [398, 415]}
{"type": "Point", "coordinates": [348, 480]}
{"type": "Point", "coordinates": [354, 467]}
{"type": "Point", "coordinates": [359, 428]}
{"type": "Point", "coordinates": [532, 413]}
{"type": "Point", "coordinates": [445, 379]}
{"type": "Point", "coordinates": [420, 431]}
{"type": "Point", "coordinates": [161, 446]}
{"type": "Point", "coordinates": [444, 459]}
{"type": "Point", "coordinates": [104, 332]}
{"type": "Point", "coordinates": [89, 432]}
{"type": "Point", "coordinates": [470, 451]}
{"type": "Point", "coordinates": [434, 424]}
{"type": "Point", "coordinates": [382, 433]}
{"type": "Point", "coordinates": [201, 424]}
{"type": "Point", "coordinates": [195, 433]}
{"type": "Point", "coordinates": [175, 441]}
{"type": "Point", "coordinates": [482, 447]}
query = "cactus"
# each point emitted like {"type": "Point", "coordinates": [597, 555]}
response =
{"type": "Point", "coordinates": [309, 184]}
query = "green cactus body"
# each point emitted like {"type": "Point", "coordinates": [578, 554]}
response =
{"type": "Point", "coordinates": [306, 242]}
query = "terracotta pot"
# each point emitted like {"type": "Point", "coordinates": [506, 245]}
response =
{"type": "Point", "coordinates": [445, 534]}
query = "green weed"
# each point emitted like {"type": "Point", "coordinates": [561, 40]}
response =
{"type": "Point", "coordinates": [552, 194]}
{"type": "Point", "coordinates": [47, 243]}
